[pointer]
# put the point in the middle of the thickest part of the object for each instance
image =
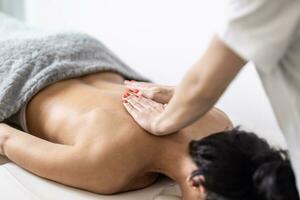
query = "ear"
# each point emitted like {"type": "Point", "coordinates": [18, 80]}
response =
{"type": "Point", "coordinates": [196, 183]}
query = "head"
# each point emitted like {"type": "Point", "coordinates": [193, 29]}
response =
{"type": "Point", "coordinates": [238, 165]}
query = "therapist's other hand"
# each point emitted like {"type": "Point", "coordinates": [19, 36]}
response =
{"type": "Point", "coordinates": [159, 93]}
{"type": "Point", "coordinates": [143, 110]}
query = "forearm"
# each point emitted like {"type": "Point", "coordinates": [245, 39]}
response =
{"type": "Point", "coordinates": [200, 88]}
{"type": "Point", "coordinates": [46, 159]}
{"type": "Point", "coordinates": [188, 103]}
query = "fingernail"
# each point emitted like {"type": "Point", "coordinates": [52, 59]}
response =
{"type": "Point", "coordinates": [125, 95]}
{"type": "Point", "coordinates": [135, 90]}
{"type": "Point", "coordinates": [132, 81]}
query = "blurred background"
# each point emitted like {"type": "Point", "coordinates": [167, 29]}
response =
{"type": "Point", "coordinates": [159, 39]}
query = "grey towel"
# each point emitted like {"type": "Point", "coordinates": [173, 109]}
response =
{"type": "Point", "coordinates": [31, 59]}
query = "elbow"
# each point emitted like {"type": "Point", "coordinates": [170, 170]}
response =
{"type": "Point", "coordinates": [5, 135]}
{"type": "Point", "coordinates": [3, 142]}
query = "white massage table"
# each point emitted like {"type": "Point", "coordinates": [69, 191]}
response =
{"type": "Point", "coordinates": [19, 184]}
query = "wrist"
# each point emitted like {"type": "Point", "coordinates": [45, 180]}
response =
{"type": "Point", "coordinates": [169, 93]}
{"type": "Point", "coordinates": [159, 127]}
{"type": "Point", "coordinates": [171, 90]}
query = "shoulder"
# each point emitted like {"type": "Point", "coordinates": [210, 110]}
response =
{"type": "Point", "coordinates": [222, 118]}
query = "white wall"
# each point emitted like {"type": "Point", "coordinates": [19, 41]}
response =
{"type": "Point", "coordinates": [161, 39]}
{"type": "Point", "coordinates": [13, 7]}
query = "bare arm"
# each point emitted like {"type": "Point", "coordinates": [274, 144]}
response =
{"type": "Point", "coordinates": [199, 90]}
{"type": "Point", "coordinates": [58, 162]}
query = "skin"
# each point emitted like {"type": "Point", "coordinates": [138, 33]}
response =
{"type": "Point", "coordinates": [199, 90]}
{"type": "Point", "coordinates": [156, 92]}
{"type": "Point", "coordinates": [82, 136]}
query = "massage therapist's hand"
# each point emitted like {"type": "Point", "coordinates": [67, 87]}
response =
{"type": "Point", "coordinates": [199, 89]}
{"type": "Point", "coordinates": [159, 93]}
{"type": "Point", "coordinates": [144, 111]}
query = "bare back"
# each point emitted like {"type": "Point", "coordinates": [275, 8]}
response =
{"type": "Point", "coordinates": [87, 112]}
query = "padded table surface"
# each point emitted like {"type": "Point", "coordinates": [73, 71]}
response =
{"type": "Point", "coordinates": [17, 183]}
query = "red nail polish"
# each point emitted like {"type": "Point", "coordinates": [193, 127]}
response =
{"type": "Point", "coordinates": [135, 90]}
{"type": "Point", "coordinates": [126, 95]}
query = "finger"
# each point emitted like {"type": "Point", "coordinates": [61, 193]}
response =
{"type": "Point", "coordinates": [141, 91]}
{"type": "Point", "coordinates": [125, 95]}
{"type": "Point", "coordinates": [138, 92]}
{"type": "Point", "coordinates": [142, 100]}
{"type": "Point", "coordinates": [131, 83]}
{"type": "Point", "coordinates": [137, 84]}
{"type": "Point", "coordinates": [133, 100]}
{"type": "Point", "coordinates": [148, 103]}
{"type": "Point", "coordinates": [141, 88]}
{"type": "Point", "coordinates": [146, 93]}
{"type": "Point", "coordinates": [132, 111]}
{"type": "Point", "coordinates": [133, 88]}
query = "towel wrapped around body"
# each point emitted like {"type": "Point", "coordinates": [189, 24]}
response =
{"type": "Point", "coordinates": [31, 59]}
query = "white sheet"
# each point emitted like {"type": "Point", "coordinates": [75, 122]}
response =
{"type": "Point", "coordinates": [17, 183]}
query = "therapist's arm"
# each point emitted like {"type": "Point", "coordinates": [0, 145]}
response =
{"type": "Point", "coordinates": [199, 90]}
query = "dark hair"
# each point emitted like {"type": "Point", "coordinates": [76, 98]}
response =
{"type": "Point", "coordinates": [238, 165]}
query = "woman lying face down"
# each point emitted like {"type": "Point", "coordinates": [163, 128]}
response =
{"type": "Point", "coordinates": [79, 134]}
